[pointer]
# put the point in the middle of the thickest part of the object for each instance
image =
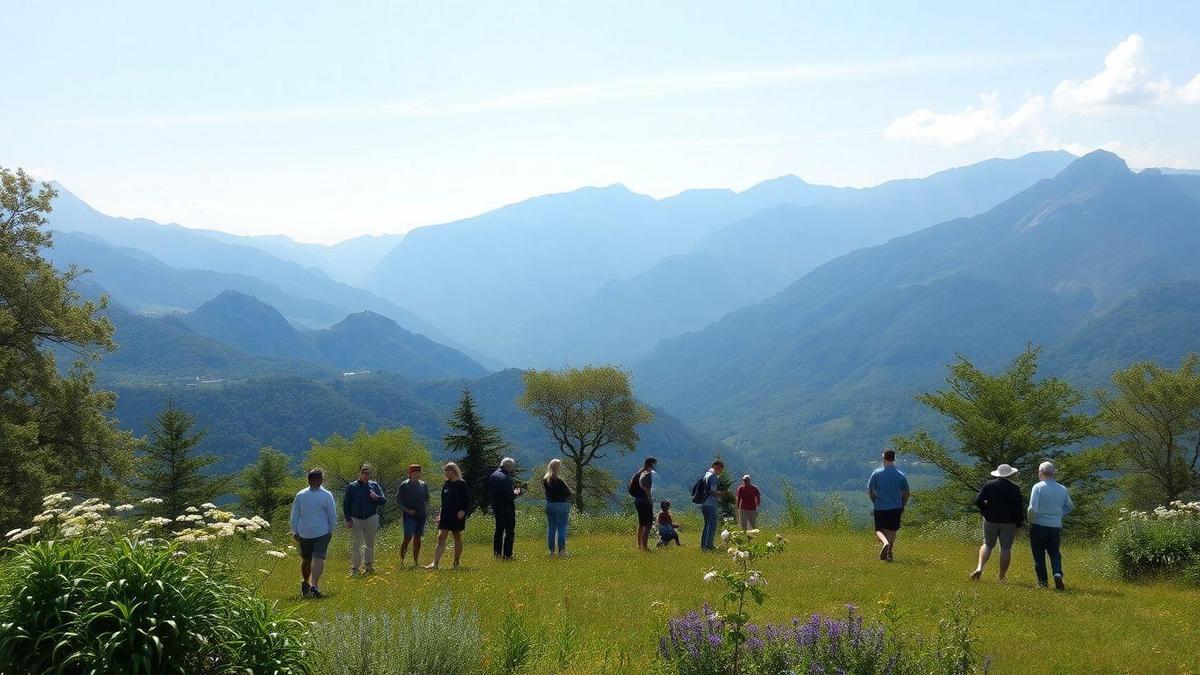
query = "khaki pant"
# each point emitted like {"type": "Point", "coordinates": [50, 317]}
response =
{"type": "Point", "coordinates": [362, 535]}
{"type": "Point", "coordinates": [748, 520]}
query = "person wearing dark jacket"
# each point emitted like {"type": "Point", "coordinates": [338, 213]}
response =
{"type": "Point", "coordinates": [360, 506]}
{"type": "Point", "coordinates": [1003, 512]}
{"type": "Point", "coordinates": [503, 494]}
{"type": "Point", "coordinates": [452, 519]}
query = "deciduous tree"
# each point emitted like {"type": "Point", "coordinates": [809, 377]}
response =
{"type": "Point", "coordinates": [586, 410]}
{"type": "Point", "coordinates": [388, 451]}
{"type": "Point", "coordinates": [1153, 417]}
{"type": "Point", "coordinates": [55, 433]}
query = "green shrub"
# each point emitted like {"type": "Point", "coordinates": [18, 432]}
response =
{"type": "Point", "coordinates": [438, 639]}
{"type": "Point", "coordinates": [1163, 542]}
{"type": "Point", "coordinates": [94, 605]}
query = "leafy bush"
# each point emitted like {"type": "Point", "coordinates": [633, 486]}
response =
{"type": "Point", "coordinates": [698, 644]}
{"type": "Point", "coordinates": [1165, 541]}
{"type": "Point", "coordinates": [438, 639]}
{"type": "Point", "coordinates": [88, 605]}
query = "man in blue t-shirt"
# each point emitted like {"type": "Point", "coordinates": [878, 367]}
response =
{"type": "Point", "coordinates": [888, 491]}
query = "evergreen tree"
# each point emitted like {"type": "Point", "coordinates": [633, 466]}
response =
{"type": "Point", "coordinates": [726, 503]}
{"type": "Point", "coordinates": [55, 433]}
{"type": "Point", "coordinates": [481, 448]}
{"type": "Point", "coordinates": [170, 469]}
{"type": "Point", "coordinates": [266, 484]}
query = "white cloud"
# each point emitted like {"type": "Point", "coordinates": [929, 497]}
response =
{"type": "Point", "coordinates": [1125, 81]}
{"type": "Point", "coordinates": [974, 124]}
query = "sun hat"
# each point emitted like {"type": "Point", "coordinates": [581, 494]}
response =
{"type": "Point", "coordinates": [1004, 471]}
{"type": "Point", "coordinates": [746, 477]}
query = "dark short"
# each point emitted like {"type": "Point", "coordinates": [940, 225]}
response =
{"type": "Point", "coordinates": [645, 513]}
{"type": "Point", "coordinates": [414, 525]}
{"type": "Point", "coordinates": [888, 519]}
{"type": "Point", "coordinates": [315, 547]}
{"type": "Point", "coordinates": [450, 522]}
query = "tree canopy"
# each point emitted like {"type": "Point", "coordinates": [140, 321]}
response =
{"type": "Point", "coordinates": [54, 430]}
{"type": "Point", "coordinates": [266, 485]}
{"type": "Point", "coordinates": [388, 451]}
{"type": "Point", "coordinates": [1153, 417]}
{"type": "Point", "coordinates": [586, 410]}
{"type": "Point", "coordinates": [170, 469]}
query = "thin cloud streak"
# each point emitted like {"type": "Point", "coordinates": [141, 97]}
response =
{"type": "Point", "coordinates": [637, 88]}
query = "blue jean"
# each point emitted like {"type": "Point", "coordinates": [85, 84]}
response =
{"type": "Point", "coordinates": [1044, 540]}
{"type": "Point", "coordinates": [557, 514]}
{"type": "Point", "coordinates": [709, 511]}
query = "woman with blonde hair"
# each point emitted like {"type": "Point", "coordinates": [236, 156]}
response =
{"type": "Point", "coordinates": [453, 515]}
{"type": "Point", "coordinates": [558, 509]}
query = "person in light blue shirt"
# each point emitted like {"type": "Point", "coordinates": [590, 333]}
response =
{"type": "Point", "coordinates": [888, 491]}
{"type": "Point", "coordinates": [708, 508]}
{"type": "Point", "coordinates": [1049, 503]}
{"type": "Point", "coordinates": [314, 515]}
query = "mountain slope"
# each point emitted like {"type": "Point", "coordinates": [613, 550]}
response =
{"type": "Point", "coordinates": [369, 341]}
{"type": "Point", "coordinates": [184, 248]}
{"type": "Point", "coordinates": [835, 358]}
{"type": "Point", "coordinates": [251, 325]}
{"type": "Point", "coordinates": [751, 259]}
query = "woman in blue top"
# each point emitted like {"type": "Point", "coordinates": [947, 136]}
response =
{"type": "Point", "coordinates": [452, 518]}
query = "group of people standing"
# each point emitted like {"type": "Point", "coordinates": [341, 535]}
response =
{"type": "Point", "coordinates": [314, 514]}
{"type": "Point", "coordinates": [1004, 511]}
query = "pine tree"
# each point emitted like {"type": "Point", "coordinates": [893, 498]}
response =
{"type": "Point", "coordinates": [265, 483]}
{"type": "Point", "coordinates": [727, 502]}
{"type": "Point", "coordinates": [170, 470]}
{"type": "Point", "coordinates": [481, 447]}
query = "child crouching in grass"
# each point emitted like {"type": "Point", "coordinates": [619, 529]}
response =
{"type": "Point", "coordinates": [667, 532]}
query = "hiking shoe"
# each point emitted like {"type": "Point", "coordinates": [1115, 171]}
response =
{"type": "Point", "coordinates": [1058, 583]}
{"type": "Point", "coordinates": [315, 593]}
{"type": "Point", "coordinates": [886, 552]}
{"type": "Point", "coordinates": [974, 576]}
{"type": "Point", "coordinates": [305, 589]}
{"type": "Point", "coordinates": [890, 558]}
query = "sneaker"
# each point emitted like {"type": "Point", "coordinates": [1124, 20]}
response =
{"type": "Point", "coordinates": [885, 552]}
{"type": "Point", "coordinates": [316, 593]}
{"type": "Point", "coordinates": [1042, 584]}
{"type": "Point", "coordinates": [305, 589]}
{"type": "Point", "coordinates": [563, 555]}
{"type": "Point", "coordinates": [1058, 583]}
{"type": "Point", "coordinates": [431, 566]}
{"type": "Point", "coordinates": [974, 576]}
{"type": "Point", "coordinates": [889, 557]}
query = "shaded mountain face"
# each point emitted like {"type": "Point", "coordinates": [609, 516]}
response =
{"type": "Point", "coordinates": [287, 413]}
{"type": "Point", "coordinates": [751, 259]}
{"type": "Point", "coordinates": [251, 325]}
{"type": "Point", "coordinates": [369, 341]}
{"type": "Point", "coordinates": [832, 362]}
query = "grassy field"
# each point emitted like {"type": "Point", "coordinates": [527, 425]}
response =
{"type": "Point", "coordinates": [618, 600]}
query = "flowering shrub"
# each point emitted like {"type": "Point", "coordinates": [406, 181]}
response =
{"type": "Point", "coordinates": [742, 580]}
{"type": "Point", "coordinates": [697, 643]}
{"type": "Point", "coordinates": [1163, 541]}
{"type": "Point", "coordinates": [90, 588]}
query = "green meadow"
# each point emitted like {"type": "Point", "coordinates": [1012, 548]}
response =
{"type": "Point", "coordinates": [606, 605]}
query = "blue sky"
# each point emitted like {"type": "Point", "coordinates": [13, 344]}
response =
{"type": "Point", "coordinates": [329, 120]}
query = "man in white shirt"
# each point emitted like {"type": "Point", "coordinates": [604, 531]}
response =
{"type": "Point", "coordinates": [1049, 502]}
{"type": "Point", "coordinates": [314, 515]}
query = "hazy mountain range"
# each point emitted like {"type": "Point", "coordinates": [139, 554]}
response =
{"type": "Point", "coordinates": [791, 322]}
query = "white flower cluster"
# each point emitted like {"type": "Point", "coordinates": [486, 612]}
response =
{"type": "Point", "coordinates": [1177, 510]}
{"type": "Point", "coordinates": [216, 524]}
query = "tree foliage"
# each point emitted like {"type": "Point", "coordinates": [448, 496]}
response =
{"type": "Point", "coordinates": [1009, 418]}
{"type": "Point", "coordinates": [266, 485]}
{"type": "Point", "coordinates": [389, 451]}
{"type": "Point", "coordinates": [480, 448]}
{"type": "Point", "coordinates": [170, 469]}
{"type": "Point", "coordinates": [586, 410]}
{"type": "Point", "coordinates": [54, 429]}
{"type": "Point", "coordinates": [1153, 417]}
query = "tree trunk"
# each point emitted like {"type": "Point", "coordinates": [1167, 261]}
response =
{"type": "Point", "coordinates": [578, 486]}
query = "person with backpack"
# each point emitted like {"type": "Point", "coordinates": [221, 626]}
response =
{"type": "Point", "coordinates": [641, 488]}
{"type": "Point", "coordinates": [707, 494]}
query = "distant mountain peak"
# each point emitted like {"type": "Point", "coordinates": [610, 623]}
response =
{"type": "Point", "coordinates": [1097, 165]}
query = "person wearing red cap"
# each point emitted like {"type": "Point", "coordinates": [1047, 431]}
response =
{"type": "Point", "coordinates": [748, 499]}
{"type": "Point", "coordinates": [413, 497]}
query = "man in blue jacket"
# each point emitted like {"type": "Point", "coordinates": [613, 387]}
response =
{"type": "Point", "coordinates": [360, 506]}
{"type": "Point", "coordinates": [503, 494]}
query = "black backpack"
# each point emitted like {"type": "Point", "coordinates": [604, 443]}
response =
{"type": "Point", "coordinates": [700, 491]}
{"type": "Point", "coordinates": [635, 486]}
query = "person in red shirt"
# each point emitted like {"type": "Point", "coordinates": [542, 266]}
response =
{"type": "Point", "coordinates": [748, 499]}
{"type": "Point", "coordinates": [667, 531]}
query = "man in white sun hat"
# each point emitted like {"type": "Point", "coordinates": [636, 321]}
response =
{"type": "Point", "coordinates": [1003, 512]}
